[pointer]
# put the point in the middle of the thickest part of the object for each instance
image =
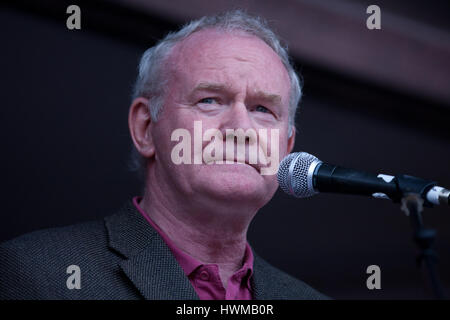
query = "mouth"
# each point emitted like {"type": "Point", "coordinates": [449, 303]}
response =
{"type": "Point", "coordinates": [236, 161]}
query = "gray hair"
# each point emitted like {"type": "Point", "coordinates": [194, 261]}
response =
{"type": "Point", "coordinates": [151, 82]}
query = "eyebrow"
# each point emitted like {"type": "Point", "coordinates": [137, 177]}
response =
{"type": "Point", "coordinates": [211, 86]}
{"type": "Point", "coordinates": [274, 98]}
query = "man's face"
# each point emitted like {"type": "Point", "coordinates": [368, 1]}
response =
{"type": "Point", "coordinates": [225, 82]}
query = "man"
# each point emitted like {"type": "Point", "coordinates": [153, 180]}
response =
{"type": "Point", "coordinates": [197, 91]}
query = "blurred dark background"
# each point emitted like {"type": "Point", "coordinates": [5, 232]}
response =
{"type": "Point", "coordinates": [376, 100]}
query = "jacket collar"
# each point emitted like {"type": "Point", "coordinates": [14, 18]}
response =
{"type": "Point", "coordinates": [148, 262]}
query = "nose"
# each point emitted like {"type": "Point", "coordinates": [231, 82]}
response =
{"type": "Point", "coordinates": [239, 134]}
{"type": "Point", "coordinates": [236, 117]}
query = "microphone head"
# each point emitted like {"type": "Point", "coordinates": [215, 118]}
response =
{"type": "Point", "coordinates": [296, 172]}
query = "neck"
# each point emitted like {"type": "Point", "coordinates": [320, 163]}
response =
{"type": "Point", "coordinates": [211, 234]}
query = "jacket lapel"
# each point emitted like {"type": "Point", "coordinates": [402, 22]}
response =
{"type": "Point", "coordinates": [147, 260]}
{"type": "Point", "coordinates": [269, 283]}
{"type": "Point", "coordinates": [265, 284]}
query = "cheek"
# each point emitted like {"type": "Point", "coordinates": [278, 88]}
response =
{"type": "Point", "coordinates": [162, 135]}
{"type": "Point", "coordinates": [186, 129]}
{"type": "Point", "coordinates": [283, 145]}
{"type": "Point", "coordinates": [277, 142]}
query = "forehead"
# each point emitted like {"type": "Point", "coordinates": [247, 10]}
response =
{"type": "Point", "coordinates": [227, 56]}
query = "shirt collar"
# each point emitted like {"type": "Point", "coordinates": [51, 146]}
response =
{"type": "Point", "coordinates": [188, 263]}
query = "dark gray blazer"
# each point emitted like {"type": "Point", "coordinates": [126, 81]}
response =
{"type": "Point", "coordinates": [120, 257]}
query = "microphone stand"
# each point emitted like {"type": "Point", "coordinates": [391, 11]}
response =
{"type": "Point", "coordinates": [424, 239]}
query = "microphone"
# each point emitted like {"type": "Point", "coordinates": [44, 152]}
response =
{"type": "Point", "coordinates": [302, 175]}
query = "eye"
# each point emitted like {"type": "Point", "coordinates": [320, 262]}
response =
{"type": "Point", "coordinates": [208, 100]}
{"type": "Point", "coordinates": [262, 109]}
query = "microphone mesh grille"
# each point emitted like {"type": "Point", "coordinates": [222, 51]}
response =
{"type": "Point", "coordinates": [299, 186]}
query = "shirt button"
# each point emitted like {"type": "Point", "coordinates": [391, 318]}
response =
{"type": "Point", "coordinates": [204, 275]}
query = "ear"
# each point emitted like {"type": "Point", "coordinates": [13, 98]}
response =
{"type": "Point", "coordinates": [291, 140]}
{"type": "Point", "coordinates": [140, 123]}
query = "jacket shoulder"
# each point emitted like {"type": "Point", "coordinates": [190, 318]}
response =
{"type": "Point", "coordinates": [34, 265]}
{"type": "Point", "coordinates": [62, 241]}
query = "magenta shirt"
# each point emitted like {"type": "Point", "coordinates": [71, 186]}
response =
{"type": "Point", "coordinates": [205, 277]}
